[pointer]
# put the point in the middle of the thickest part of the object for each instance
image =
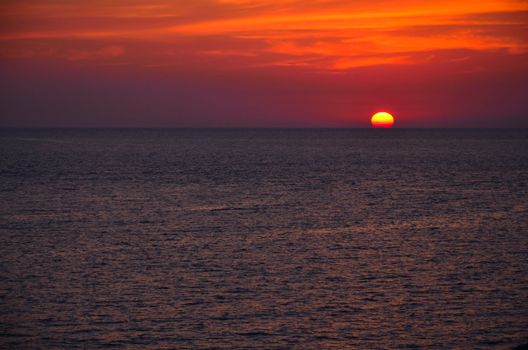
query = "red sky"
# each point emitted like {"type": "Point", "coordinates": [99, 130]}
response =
{"type": "Point", "coordinates": [256, 63]}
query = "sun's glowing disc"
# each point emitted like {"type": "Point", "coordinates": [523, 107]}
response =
{"type": "Point", "coordinates": [382, 120]}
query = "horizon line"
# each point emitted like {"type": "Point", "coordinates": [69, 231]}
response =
{"type": "Point", "coordinates": [258, 128]}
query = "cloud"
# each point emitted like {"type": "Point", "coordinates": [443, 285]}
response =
{"type": "Point", "coordinates": [320, 34]}
{"type": "Point", "coordinates": [104, 53]}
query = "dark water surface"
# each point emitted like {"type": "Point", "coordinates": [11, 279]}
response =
{"type": "Point", "coordinates": [263, 239]}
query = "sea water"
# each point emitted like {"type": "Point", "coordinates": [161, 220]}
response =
{"type": "Point", "coordinates": [263, 239]}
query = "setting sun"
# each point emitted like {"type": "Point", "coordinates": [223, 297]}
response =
{"type": "Point", "coordinates": [382, 120]}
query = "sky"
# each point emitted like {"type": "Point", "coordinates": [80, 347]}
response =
{"type": "Point", "coordinates": [256, 63]}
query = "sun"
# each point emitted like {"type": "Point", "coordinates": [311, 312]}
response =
{"type": "Point", "coordinates": [382, 120]}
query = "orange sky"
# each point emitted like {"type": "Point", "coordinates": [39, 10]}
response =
{"type": "Point", "coordinates": [337, 53]}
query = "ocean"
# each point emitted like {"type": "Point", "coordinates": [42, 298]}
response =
{"type": "Point", "coordinates": [263, 239]}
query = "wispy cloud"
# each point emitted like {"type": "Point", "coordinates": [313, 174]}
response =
{"type": "Point", "coordinates": [323, 34]}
